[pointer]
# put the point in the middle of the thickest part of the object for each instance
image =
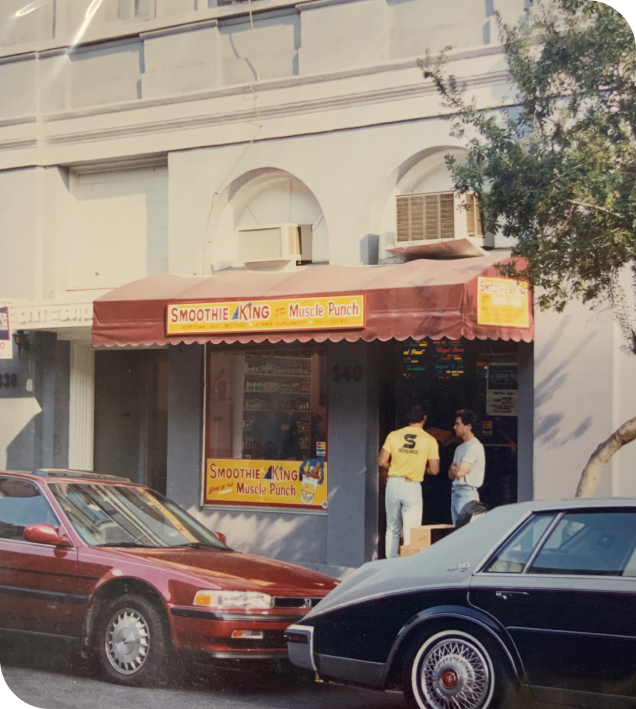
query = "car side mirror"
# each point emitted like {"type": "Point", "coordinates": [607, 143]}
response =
{"type": "Point", "coordinates": [220, 536]}
{"type": "Point", "coordinates": [46, 534]}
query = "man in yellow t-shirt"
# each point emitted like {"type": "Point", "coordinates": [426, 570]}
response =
{"type": "Point", "coordinates": [407, 455]}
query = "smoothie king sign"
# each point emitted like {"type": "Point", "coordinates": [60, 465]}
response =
{"type": "Point", "coordinates": [278, 314]}
{"type": "Point", "coordinates": [275, 483]}
{"type": "Point", "coordinates": [503, 302]}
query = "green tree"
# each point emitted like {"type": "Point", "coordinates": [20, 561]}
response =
{"type": "Point", "coordinates": [555, 165]}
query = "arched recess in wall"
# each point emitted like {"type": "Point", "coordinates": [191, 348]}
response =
{"type": "Point", "coordinates": [258, 198]}
{"type": "Point", "coordinates": [425, 171]}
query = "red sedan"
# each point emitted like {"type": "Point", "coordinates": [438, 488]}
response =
{"type": "Point", "coordinates": [131, 576]}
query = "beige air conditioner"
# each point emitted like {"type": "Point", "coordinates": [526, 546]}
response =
{"type": "Point", "coordinates": [275, 246]}
{"type": "Point", "coordinates": [438, 216]}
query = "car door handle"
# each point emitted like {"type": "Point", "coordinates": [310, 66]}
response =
{"type": "Point", "coordinates": [506, 595]}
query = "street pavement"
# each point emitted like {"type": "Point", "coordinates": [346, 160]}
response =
{"type": "Point", "coordinates": [50, 675]}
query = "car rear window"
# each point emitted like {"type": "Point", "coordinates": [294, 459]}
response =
{"type": "Point", "coordinates": [514, 554]}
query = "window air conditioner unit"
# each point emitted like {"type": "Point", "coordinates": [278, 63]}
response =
{"type": "Point", "coordinates": [438, 216]}
{"type": "Point", "coordinates": [275, 246]}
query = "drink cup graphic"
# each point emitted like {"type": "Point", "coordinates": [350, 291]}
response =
{"type": "Point", "coordinates": [308, 490]}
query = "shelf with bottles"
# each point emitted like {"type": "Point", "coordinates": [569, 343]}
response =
{"type": "Point", "coordinates": [302, 412]}
{"type": "Point", "coordinates": [278, 369]}
{"type": "Point", "coordinates": [303, 375]}
{"type": "Point", "coordinates": [274, 387]}
{"type": "Point", "coordinates": [297, 405]}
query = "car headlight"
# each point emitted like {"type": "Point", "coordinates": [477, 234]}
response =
{"type": "Point", "coordinates": [250, 600]}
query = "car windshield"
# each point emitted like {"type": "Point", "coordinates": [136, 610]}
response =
{"type": "Point", "coordinates": [127, 516]}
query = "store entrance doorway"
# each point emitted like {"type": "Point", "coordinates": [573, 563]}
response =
{"type": "Point", "coordinates": [445, 376]}
{"type": "Point", "coordinates": [131, 415]}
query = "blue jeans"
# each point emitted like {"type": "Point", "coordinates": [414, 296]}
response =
{"type": "Point", "coordinates": [460, 496]}
{"type": "Point", "coordinates": [403, 504]}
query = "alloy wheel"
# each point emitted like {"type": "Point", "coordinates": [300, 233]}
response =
{"type": "Point", "coordinates": [127, 641]}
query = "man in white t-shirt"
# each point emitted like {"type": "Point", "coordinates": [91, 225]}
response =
{"type": "Point", "coordinates": [469, 463]}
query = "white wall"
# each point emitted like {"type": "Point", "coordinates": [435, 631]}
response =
{"type": "Point", "coordinates": [348, 173]}
{"type": "Point", "coordinates": [118, 227]}
{"type": "Point", "coordinates": [106, 74]}
{"type": "Point", "coordinates": [574, 388]}
{"type": "Point", "coordinates": [624, 464]}
{"type": "Point", "coordinates": [17, 88]}
{"type": "Point", "coordinates": [152, 55]}
{"type": "Point", "coordinates": [18, 238]}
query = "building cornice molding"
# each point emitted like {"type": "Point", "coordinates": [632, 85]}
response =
{"type": "Point", "coordinates": [18, 144]}
{"type": "Point", "coordinates": [17, 121]}
{"type": "Point", "coordinates": [178, 29]}
{"type": "Point", "coordinates": [251, 115]}
{"type": "Point", "coordinates": [268, 85]}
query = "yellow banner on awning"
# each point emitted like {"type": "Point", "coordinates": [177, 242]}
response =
{"type": "Point", "coordinates": [502, 302]}
{"type": "Point", "coordinates": [342, 312]}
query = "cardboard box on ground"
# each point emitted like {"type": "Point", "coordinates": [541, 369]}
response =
{"type": "Point", "coordinates": [422, 537]}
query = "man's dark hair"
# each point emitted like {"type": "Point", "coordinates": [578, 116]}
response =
{"type": "Point", "coordinates": [417, 413]}
{"type": "Point", "coordinates": [468, 417]}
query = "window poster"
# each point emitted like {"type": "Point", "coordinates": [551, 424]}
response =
{"type": "Point", "coordinates": [502, 392]}
{"type": "Point", "coordinates": [283, 483]}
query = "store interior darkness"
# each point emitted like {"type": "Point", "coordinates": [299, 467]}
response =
{"type": "Point", "coordinates": [445, 376]}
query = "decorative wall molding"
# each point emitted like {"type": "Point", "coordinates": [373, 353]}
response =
{"type": "Point", "coordinates": [178, 29]}
{"type": "Point", "coordinates": [260, 86]}
{"type": "Point", "coordinates": [380, 96]}
{"type": "Point", "coordinates": [51, 316]}
{"type": "Point", "coordinates": [18, 144]}
{"type": "Point", "coordinates": [17, 121]}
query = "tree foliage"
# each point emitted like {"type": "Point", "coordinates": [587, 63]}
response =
{"type": "Point", "coordinates": [555, 166]}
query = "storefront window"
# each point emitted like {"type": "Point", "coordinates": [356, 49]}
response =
{"type": "Point", "coordinates": [266, 438]}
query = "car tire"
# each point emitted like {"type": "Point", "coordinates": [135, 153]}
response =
{"type": "Point", "coordinates": [133, 643]}
{"type": "Point", "coordinates": [452, 669]}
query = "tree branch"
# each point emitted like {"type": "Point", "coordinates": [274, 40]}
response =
{"type": "Point", "coordinates": [596, 207]}
{"type": "Point", "coordinates": [600, 458]}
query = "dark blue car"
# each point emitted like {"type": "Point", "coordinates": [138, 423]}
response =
{"type": "Point", "coordinates": [530, 603]}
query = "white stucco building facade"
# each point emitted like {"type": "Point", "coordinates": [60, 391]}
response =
{"type": "Point", "coordinates": [137, 136]}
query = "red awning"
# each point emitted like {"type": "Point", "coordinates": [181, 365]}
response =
{"type": "Point", "coordinates": [421, 298]}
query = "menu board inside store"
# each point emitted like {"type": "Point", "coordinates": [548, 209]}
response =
{"type": "Point", "coordinates": [443, 359]}
{"type": "Point", "coordinates": [414, 356]}
{"type": "Point", "coordinates": [447, 359]}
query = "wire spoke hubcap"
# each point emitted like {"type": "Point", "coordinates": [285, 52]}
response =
{"type": "Point", "coordinates": [454, 674]}
{"type": "Point", "coordinates": [127, 641]}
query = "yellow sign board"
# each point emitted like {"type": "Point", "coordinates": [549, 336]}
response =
{"type": "Point", "coordinates": [274, 483]}
{"type": "Point", "coordinates": [503, 302]}
{"type": "Point", "coordinates": [342, 312]}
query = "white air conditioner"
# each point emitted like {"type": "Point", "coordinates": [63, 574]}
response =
{"type": "Point", "coordinates": [438, 216]}
{"type": "Point", "coordinates": [275, 246]}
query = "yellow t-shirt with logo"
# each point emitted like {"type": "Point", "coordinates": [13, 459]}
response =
{"type": "Point", "coordinates": [410, 448]}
